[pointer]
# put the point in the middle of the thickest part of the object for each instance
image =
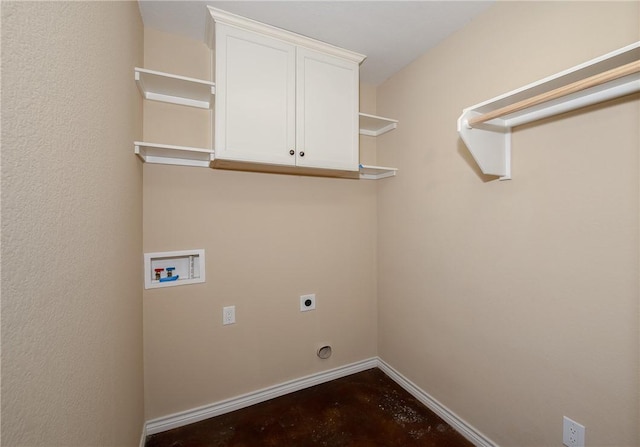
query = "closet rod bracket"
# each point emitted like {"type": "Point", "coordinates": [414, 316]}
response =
{"type": "Point", "coordinates": [489, 145]}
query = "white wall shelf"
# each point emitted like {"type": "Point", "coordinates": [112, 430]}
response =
{"type": "Point", "coordinates": [173, 268]}
{"type": "Point", "coordinates": [374, 126]}
{"type": "Point", "coordinates": [173, 155]}
{"type": "Point", "coordinates": [368, 172]}
{"type": "Point", "coordinates": [174, 89]}
{"type": "Point", "coordinates": [485, 128]}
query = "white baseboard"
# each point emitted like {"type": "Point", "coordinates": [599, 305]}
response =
{"type": "Point", "coordinates": [143, 437]}
{"type": "Point", "coordinates": [466, 430]}
{"type": "Point", "coordinates": [216, 409]}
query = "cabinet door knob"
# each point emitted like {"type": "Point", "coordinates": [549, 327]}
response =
{"type": "Point", "coordinates": [302, 153]}
{"type": "Point", "coordinates": [291, 152]}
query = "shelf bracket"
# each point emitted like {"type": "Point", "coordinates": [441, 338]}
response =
{"type": "Point", "coordinates": [489, 145]}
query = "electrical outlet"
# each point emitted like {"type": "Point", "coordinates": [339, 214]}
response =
{"type": "Point", "coordinates": [229, 315]}
{"type": "Point", "coordinates": [307, 302]}
{"type": "Point", "coordinates": [572, 433]}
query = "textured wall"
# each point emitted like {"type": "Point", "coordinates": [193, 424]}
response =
{"type": "Point", "coordinates": [515, 303]}
{"type": "Point", "coordinates": [71, 225]}
{"type": "Point", "coordinates": [268, 239]}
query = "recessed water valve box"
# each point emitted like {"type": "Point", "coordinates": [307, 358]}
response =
{"type": "Point", "coordinates": [173, 268]}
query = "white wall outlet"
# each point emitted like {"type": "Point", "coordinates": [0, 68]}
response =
{"type": "Point", "coordinates": [307, 302]}
{"type": "Point", "coordinates": [572, 433]}
{"type": "Point", "coordinates": [229, 315]}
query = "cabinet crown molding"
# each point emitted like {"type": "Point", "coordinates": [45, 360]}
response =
{"type": "Point", "coordinates": [220, 16]}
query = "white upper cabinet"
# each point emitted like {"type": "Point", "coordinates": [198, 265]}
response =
{"type": "Point", "coordinates": [255, 106]}
{"type": "Point", "coordinates": [327, 111]}
{"type": "Point", "coordinates": [282, 99]}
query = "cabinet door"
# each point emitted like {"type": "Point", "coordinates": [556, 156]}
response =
{"type": "Point", "coordinates": [326, 111]}
{"type": "Point", "coordinates": [255, 97]}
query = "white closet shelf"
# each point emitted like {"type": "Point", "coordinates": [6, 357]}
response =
{"type": "Point", "coordinates": [485, 128]}
{"type": "Point", "coordinates": [173, 155]}
{"type": "Point", "coordinates": [374, 126]}
{"type": "Point", "coordinates": [175, 89]}
{"type": "Point", "coordinates": [368, 172]}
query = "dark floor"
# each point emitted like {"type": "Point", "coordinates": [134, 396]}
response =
{"type": "Point", "coordinates": [364, 409]}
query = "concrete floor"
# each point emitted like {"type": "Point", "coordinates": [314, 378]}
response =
{"type": "Point", "coordinates": [364, 409]}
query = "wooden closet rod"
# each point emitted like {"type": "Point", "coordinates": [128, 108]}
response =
{"type": "Point", "coordinates": [607, 76]}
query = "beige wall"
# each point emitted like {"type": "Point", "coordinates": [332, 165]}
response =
{"type": "Point", "coordinates": [71, 225]}
{"type": "Point", "coordinates": [515, 303]}
{"type": "Point", "coordinates": [268, 239]}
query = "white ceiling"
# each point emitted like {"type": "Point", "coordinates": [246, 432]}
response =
{"type": "Point", "coordinates": [390, 33]}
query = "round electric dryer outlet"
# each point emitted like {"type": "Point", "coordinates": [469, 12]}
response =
{"type": "Point", "coordinates": [307, 302]}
